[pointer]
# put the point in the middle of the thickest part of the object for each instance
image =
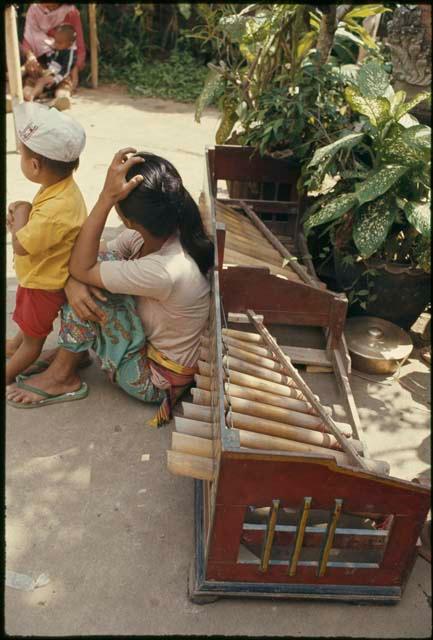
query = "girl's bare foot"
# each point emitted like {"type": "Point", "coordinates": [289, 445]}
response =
{"type": "Point", "coordinates": [46, 358]}
{"type": "Point", "coordinates": [12, 344]}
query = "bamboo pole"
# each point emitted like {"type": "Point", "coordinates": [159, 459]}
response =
{"type": "Point", "coordinates": [13, 61]}
{"type": "Point", "coordinates": [253, 440]}
{"type": "Point", "coordinates": [191, 444]}
{"type": "Point", "coordinates": [274, 428]}
{"type": "Point", "coordinates": [203, 368]}
{"type": "Point", "coordinates": [300, 270]}
{"type": "Point", "coordinates": [93, 45]}
{"type": "Point", "coordinates": [185, 464]}
{"type": "Point", "coordinates": [193, 427]}
{"type": "Point", "coordinates": [244, 335]}
{"type": "Point", "coordinates": [196, 412]}
{"type": "Point", "coordinates": [255, 382]}
{"type": "Point", "coordinates": [308, 394]}
{"type": "Point", "coordinates": [284, 402]}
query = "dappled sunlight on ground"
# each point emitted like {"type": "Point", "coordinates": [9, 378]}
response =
{"type": "Point", "coordinates": [113, 532]}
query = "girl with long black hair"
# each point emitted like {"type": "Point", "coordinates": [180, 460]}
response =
{"type": "Point", "coordinates": [156, 273]}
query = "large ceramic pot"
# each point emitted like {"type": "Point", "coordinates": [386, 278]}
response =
{"type": "Point", "coordinates": [402, 292]}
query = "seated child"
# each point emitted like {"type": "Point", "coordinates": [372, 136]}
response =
{"type": "Point", "coordinates": [60, 63]}
{"type": "Point", "coordinates": [44, 232]}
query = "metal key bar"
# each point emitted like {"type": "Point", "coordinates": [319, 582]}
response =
{"type": "Point", "coordinates": [299, 539]}
{"type": "Point", "coordinates": [329, 539]}
{"type": "Point", "coordinates": [269, 535]}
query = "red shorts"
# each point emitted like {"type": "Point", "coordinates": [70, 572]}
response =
{"type": "Point", "coordinates": [36, 310]}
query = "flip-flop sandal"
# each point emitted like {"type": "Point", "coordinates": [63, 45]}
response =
{"type": "Point", "coordinates": [42, 365]}
{"type": "Point", "coordinates": [47, 398]}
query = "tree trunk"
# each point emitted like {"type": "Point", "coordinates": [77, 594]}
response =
{"type": "Point", "coordinates": [328, 26]}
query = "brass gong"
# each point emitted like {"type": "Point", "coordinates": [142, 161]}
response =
{"type": "Point", "coordinates": [376, 346]}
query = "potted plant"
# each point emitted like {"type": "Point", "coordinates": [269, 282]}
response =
{"type": "Point", "coordinates": [372, 196]}
{"type": "Point", "coordinates": [277, 85]}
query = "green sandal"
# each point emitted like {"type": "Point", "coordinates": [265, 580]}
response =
{"type": "Point", "coordinates": [47, 398]}
{"type": "Point", "coordinates": [42, 365]}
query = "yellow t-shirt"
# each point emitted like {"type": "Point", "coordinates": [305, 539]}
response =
{"type": "Point", "coordinates": [57, 215]}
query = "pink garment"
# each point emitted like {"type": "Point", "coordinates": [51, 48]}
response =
{"type": "Point", "coordinates": [40, 24]}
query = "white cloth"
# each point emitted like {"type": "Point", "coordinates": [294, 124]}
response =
{"type": "Point", "coordinates": [172, 294]}
{"type": "Point", "coordinates": [49, 132]}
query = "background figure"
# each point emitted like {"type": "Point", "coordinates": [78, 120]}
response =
{"type": "Point", "coordinates": [42, 20]}
{"type": "Point", "coordinates": [60, 63]}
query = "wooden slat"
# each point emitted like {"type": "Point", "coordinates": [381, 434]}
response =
{"type": "Point", "coordinates": [269, 536]}
{"type": "Point", "coordinates": [329, 537]}
{"type": "Point", "coordinates": [196, 412]}
{"type": "Point", "coordinates": [307, 356]}
{"type": "Point", "coordinates": [193, 427]}
{"type": "Point", "coordinates": [196, 446]}
{"type": "Point", "coordinates": [184, 464]}
{"type": "Point", "coordinates": [299, 536]}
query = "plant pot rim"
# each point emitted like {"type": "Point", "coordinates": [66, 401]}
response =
{"type": "Point", "coordinates": [390, 267]}
{"type": "Point", "coordinates": [395, 267]}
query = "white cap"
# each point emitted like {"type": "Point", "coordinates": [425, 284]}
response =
{"type": "Point", "coordinates": [49, 132]}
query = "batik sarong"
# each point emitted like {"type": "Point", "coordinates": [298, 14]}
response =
{"type": "Point", "coordinates": [124, 353]}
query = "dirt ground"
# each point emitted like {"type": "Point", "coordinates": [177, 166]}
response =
{"type": "Point", "coordinates": [111, 528]}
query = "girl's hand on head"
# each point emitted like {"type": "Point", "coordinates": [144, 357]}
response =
{"type": "Point", "coordinates": [116, 187]}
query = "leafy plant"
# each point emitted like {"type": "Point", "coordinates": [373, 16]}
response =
{"type": "Point", "coordinates": [380, 204]}
{"type": "Point", "coordinates": [281, 88]}
{"type": "Point", "coordinates": [179, 78]}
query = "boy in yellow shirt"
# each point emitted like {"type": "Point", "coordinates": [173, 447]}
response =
{"type": "Point", "coordinates": [44, 232]}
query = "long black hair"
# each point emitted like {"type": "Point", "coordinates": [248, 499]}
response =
{"type": "Point", "coordinates": [161, 204]}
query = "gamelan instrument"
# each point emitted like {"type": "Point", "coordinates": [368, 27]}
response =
{"type": "Point", "coordinates": [288, 502]}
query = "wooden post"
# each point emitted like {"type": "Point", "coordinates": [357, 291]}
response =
{"type": "Point", "coordinates": [13, 59]}
{"type": "Point", "coordinates": [93, 45]}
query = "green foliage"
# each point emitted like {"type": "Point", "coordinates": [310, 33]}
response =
{"type": "Point", "coordinates": [372, 80]}
{"type": "Point", "coordinates": [332, 210]}
{"type": "Point", "coordinates": [376, 109]}
{"type": "Point", "coordinates": [327, 152]}
{"type": "Point", "coordinates": [178, 78]}
{"type": "Point", "coordinates": [419, 214]}
{"type": "Point", "coordinates": [208, 94]}
{"type": "Point", "coordinates": [288, 102]}
{"type": "Point", "coordinates": [372, 226]}
{"type": "Point", "coordinates": [378, 183]}
{"type": "Point", "coordinates": [382, 170]}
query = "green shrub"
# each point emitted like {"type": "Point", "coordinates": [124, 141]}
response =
{"type": "Point", "coordinates": [180, 77]}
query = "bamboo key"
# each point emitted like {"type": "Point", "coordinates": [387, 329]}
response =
{"type": "Point", "coordinates": [297, 268]}
{"type": "Point", "coordinates": [308, 394]}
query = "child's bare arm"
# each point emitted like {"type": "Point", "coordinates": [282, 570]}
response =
{"type": "Point", "coordinates": [42, 84]}
{"type": "Point", "coordinates": [11, 211]}
{"type": "Point", "coordinates": [20, 216]}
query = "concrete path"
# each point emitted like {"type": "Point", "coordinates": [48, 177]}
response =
{"type": "Point", "coordinates": [109, 525]}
